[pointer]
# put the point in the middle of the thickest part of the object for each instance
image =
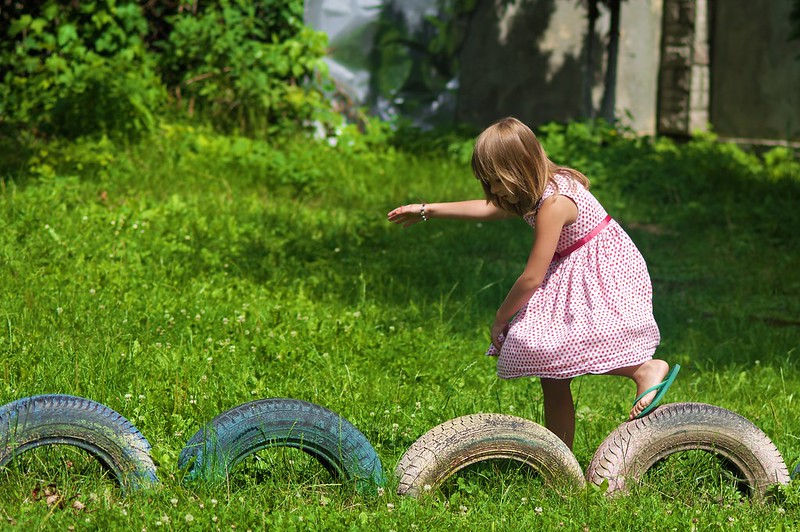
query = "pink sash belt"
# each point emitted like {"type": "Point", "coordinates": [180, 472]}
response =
{"type": "Point", "coordinates": [593, 233]}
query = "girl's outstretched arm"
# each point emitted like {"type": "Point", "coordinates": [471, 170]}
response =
{"type": "Point", "coordinates": [555, 212]}
{"type": "Point", "coordinates": [455, 210]}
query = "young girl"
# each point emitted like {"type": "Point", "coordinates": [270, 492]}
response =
{"type": "Point", "coordinates": [583, 303]}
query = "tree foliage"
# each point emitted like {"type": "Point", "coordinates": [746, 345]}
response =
{"type": "Point", "coordinates": [112, 66]}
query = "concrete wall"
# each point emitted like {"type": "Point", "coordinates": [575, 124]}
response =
{"type": "Point", "coordinates": [527, 60]}
{"type": "Point", "coordinates": [523, 60]}
{"type": "Point", "coordinates": [637, 77]}
{"type": "Point", "coordinates": [755, 70]}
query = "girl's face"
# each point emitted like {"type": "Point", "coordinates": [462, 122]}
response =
{"type": "Point", "coordinates": [499, 189]}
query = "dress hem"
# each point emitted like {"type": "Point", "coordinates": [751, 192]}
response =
{"type": "Point", "coordinates": [596, 370]}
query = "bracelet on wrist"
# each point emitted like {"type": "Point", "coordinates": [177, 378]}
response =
{"type": "Point", "coordinates": [422, 213]}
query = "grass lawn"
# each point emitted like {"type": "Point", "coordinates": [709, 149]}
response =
{"type": "Point", "coordinates": [178, 278]}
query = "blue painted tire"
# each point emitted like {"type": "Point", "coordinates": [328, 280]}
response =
{"type": "Point", "coordinates": [67, 420]}
{"type": "Point", "coordinates": [229, 438]}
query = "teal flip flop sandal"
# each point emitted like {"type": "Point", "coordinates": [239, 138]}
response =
{"type": "Point", "coordinates": [662, 388]}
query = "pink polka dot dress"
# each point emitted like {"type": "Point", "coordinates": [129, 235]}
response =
{"type": "Point", "coordinates": [594, 310]}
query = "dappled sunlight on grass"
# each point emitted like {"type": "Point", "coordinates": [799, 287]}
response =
{"type": "Point", "coordinates": [172, 285]}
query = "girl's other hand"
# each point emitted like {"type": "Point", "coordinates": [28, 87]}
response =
{"type": "Point", "coordinates": [406, 215]}
{"type": "Point", "coordinates": [499, 331]}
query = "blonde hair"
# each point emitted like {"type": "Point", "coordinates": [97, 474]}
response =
{"type": "Point", "coordinates": [509, 152]}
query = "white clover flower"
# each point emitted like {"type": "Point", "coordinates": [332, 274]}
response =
{"type": "Point", "coordinates": [189, 518]}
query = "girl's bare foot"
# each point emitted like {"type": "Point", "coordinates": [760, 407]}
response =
{"type": "Point", "coordinates": [647, 375]}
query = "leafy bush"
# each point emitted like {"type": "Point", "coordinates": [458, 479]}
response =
{"type": "Point", "coordinates": [77, 68]}
{"type": "Point", "coordinates": [244, 64]}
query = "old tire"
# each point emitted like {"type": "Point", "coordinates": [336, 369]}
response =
{"type": "Point", "coordinates": [632, 449]}
{"type": "Point", "coordinates": [466, 440]}
{"type": "Point", "coordinates": [67, 420]}
{"type": "Point", "coordinates": [233, 435]}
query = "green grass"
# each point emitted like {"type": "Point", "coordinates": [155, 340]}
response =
{"type": "Point", "coordinates": [178, 278]}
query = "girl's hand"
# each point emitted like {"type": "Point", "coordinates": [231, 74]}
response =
{"type": "Point", "coordinates": [406, 215]}
{"type": "Point", "coordinates": [499, 328]}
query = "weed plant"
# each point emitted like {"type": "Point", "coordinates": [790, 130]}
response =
{"type": "Point", "coordinates": [179, 277]}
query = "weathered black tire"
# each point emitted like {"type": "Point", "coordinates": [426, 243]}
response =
{"type": "Point", "coordinates": [233, 435]}
{"type": "Point", "coordinates": [463, 441]}
{"type": "Point", "coordinates": [630, 450]}
{"type": "Point", "coordinates": [67, 420]}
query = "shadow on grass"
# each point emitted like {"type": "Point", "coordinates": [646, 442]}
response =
{"type": "Point", "coordinates": [720, 242]}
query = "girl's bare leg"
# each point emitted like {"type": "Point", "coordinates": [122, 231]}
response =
{"type": "Point", "coordinates": [559, 410]}
{"type": "Point", "coordinates": [644, 375]}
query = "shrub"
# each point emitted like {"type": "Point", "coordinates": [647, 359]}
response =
{"type": "Point", "coordinates": [245, 65]}
{"type": "Point", "coordinates": [77, 68]}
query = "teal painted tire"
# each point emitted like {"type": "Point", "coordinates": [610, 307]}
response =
{"type": "Point", "coordinates": [41, 420]}
{"type": "Point", "coordinates": [215, 450]}
{"type": "Point", "coordinates": [635, 446]}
